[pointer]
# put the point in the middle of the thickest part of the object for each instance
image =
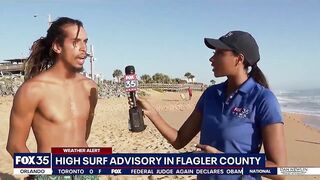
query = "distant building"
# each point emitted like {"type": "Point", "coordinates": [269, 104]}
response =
{"type": "Point", "coordinates": [190, 80]}
{"type": "Point", "coordinates": [12, 66]}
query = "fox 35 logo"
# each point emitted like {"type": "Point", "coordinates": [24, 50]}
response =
{"type": "Point", "coordinates": [32, 160]}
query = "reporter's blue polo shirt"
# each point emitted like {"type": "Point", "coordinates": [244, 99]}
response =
{"type": "Point", "coordinates": [233, 124]}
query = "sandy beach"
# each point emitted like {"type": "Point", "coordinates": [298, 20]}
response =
{"type": "Point", "coordinates": [110, 129]}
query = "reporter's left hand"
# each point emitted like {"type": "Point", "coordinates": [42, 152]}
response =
{"type": "Point", "coordinates": [207, 148]}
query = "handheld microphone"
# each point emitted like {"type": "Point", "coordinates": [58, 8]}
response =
{"type": "Point", "coordinates": [136, 123]}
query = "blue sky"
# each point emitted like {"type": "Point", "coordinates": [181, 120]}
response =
{"type": "Point", "coordinates": [167, 36]}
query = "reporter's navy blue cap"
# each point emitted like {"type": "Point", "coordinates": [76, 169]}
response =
{"type": "Point", "coordinates": [238, 41]}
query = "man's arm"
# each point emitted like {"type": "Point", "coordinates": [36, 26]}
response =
{"type": "Point", "coordinates": [24, 106]}
{"type": "Point", "coordinates": [93, 98]}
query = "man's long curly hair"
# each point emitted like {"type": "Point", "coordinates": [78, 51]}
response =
{"type": "Point", "coordinates": [42, 56]}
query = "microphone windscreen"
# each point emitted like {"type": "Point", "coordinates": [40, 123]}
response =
{"type": "Point", "coordinates": [130, 70]}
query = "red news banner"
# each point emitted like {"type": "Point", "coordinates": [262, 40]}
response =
{"type": "Point", "coordinates": [77, 150]}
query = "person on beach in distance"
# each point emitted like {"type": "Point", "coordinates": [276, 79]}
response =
{"type": "Point", "coordinates": [55, 100]}
{"type": "Point", "coordinates": [190, 93]}
{"type": "Point", "coordinates": [237, 116]}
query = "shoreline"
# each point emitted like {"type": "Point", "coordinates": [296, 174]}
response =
{"type": "Point", "coordinates": [310, 121]}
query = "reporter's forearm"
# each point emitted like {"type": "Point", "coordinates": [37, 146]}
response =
{"type": "Point", "coordinates": [276, 164]}
{"type": "Point", "coordinates": [275, 177]}
{"type": "Point", "coordinates": [273, 164]}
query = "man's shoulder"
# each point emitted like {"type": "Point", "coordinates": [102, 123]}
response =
{"type": "Point", "coordinates": [33, 84]}
{"type": "Point", "coordinates": [87, 82]}
{"type": "Point", "coordinates": [30, 90]}
{"type": "Point", "coordinates": [42, 79]}
{"type": "Point", "coordinates": [90, 86]}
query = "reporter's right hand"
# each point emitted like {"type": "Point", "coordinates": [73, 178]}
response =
{"type": "Point", "coordinates": [148, 109]}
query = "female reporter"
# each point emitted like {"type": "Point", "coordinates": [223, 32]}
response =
{"type": "Point", "coordinates": [237, 116]}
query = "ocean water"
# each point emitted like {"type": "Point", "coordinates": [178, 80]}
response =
{"type": "Point", "coordinates": [305, 102]}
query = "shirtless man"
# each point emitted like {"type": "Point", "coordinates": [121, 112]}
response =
{"type": "Point", "coordinates": [55, 100]}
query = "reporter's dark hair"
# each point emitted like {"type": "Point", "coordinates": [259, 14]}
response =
{"type": "Point", "coordinates": [257, 75]}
